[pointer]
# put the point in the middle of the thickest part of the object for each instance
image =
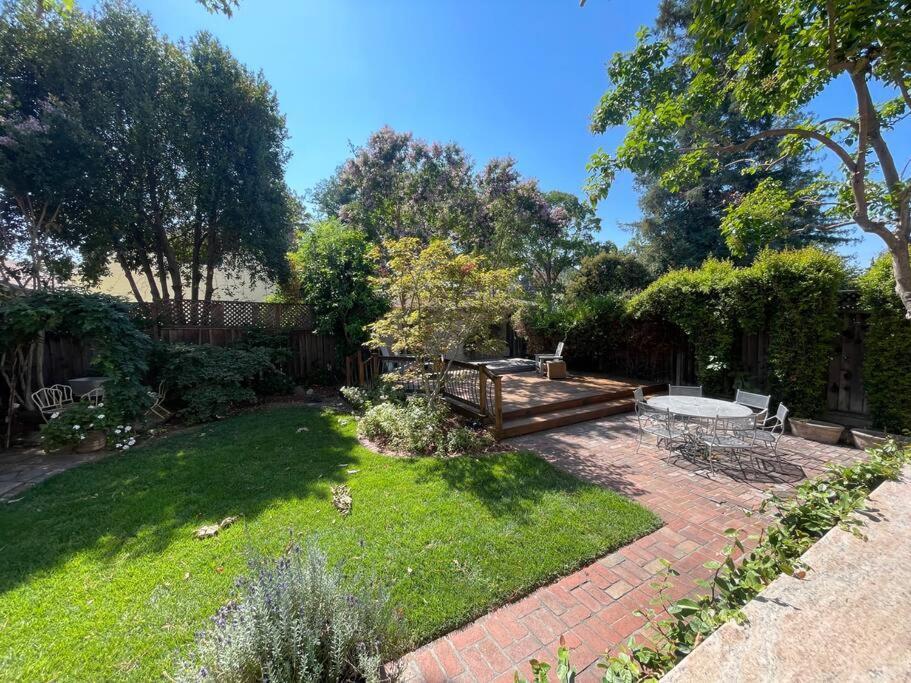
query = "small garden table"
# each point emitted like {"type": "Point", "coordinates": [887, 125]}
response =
{"type": "Point", "coordinates": [83, 385]}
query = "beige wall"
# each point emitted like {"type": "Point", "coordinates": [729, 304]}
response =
{"type": "Point", "coordinates": [235, 288]}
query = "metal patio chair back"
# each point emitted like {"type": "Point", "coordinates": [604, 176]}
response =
{"type": "Point", "coordinates": [683, 390]}
{"type": "Point", "coordinates": [758, 402]}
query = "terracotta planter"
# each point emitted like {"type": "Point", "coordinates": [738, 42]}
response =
{"type": "Point", "coordinates": [94, 440]}
{"type": "Point", "coordinates": [817, 430]}
{"type": "Point", "coordinates": [870, 438]}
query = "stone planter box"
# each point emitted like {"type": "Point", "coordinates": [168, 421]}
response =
{"type": "Point", "coordinates": [817, 430]}
{"type": "Point", "coordinates": [95, 440]}
{"type": "Point", "coordinates": [870, 438]}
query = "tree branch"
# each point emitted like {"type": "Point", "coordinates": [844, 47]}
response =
{"type": "Point", "coordinates": [823, 139]}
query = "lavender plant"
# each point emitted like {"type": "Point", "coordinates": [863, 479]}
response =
{"type": "Point", "coordinates": [297, 619]}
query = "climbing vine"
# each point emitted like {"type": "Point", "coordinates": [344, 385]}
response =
{"type": "Point", "coordinates": [120, 348]}
{"type": "Point", "coordinates": [887, 350]}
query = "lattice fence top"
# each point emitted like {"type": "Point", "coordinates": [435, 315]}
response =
{"type": "Point", "coordinates": [232, 314]}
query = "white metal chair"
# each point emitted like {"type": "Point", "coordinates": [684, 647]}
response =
{"type": "Point", "coordinates": [66, 393]}
{"type": "Point", "coordinates": [759, 403]}
{"type": "Point", "coordinates": [93, 396]}
{"type": "Point", "coordinates": [542, 358]}
{"type": "Point", "coordinates": [157, 409]}
{"type": "Point", "coordinates": [638, 395]}
{"type": "Point", "coordinates": [659, 423]}
{"type": "Point", "coordinates": [733, 435]}
{"type": "Point", "coordinates": [680, 390]}
{"type": "Point", "coordinates": [49, 401]}
{"type": "Point", "coordinates": [768, 434]}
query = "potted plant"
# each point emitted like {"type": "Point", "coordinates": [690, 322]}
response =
{"type": "Point", "coordinates": [85, 428]}
{"type": "Point", "coordinates": [816, 430]}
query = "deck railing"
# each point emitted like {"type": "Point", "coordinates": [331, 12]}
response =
{"type": "Point", "coordinates": [469, 387]}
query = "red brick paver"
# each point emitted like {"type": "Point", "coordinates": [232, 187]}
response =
{"type": "Point", "coordinates": [593, 608]}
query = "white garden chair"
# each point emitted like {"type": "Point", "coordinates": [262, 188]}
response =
{"type": "Point", "coordinates": [734, 435]}
{"type": "Point", "coordinates": [759, 403]}
{"type": "Point", "coordinates": [157, 409]}
{"type": "Point", "coordinates": [681, 390]}
{"type": "Point", "coordinates": [66, 393]}
{"type": "Point", "coordinates": [659, 423]}
{"type": "Point", "coordinates": [639, 395]}
{"type": "Point", "coordinates": [542, 358]}
{"type": "Point", "coordinates": [93, 396]}
{"type": "Point", "coordinates": [769, 433]}
{"type": "Point", "coordinates": [49, 401]}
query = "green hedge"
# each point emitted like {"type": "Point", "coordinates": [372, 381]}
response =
{"type": "Point", "coordinates": [887, 349]}
{"type": "Point", "coordinates": [791, 295]}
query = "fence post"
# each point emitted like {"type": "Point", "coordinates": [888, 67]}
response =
{"type": "Point", "coordinates": [482, 389]}
{"type": "Point", "coordinates": [497, 405]}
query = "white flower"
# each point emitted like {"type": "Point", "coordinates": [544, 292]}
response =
{"type": "Point", "coordinates": [116, 445]}
{"type": "Point", "coordinates": [54, 416]}
{"type": "Point", "coordinates": [101, 405]}
{"type": "Point", "coordinates": [101, 417]}
{"type": "Point", "coordinates": [117, 431]}
{"type": "Point", "coordinates": [91, 425]}
{"type": "Point", "coordinates": [90, 407]}
{"type": "Point", "coordinates": [75, 426]}
{"type": "Point", "coordinates": [82, 437]}
{"type": "Point", "coordinates": [131, 441]}
{"type": "Point", "coordinates": [127, 428]}
{"type": "Point", "coordinates": [126, 448]}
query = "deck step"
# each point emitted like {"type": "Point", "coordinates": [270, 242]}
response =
{"type": "Point", "coordinates": [564, 416]}
{"type": "Point", "coordinates": [578, 402]}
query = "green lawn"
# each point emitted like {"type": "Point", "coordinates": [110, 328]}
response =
{"type": "Point", "coordinates": [102, 579]}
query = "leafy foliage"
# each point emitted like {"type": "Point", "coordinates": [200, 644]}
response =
{"type": "Point", "coordinates": [398, 186]}
{"type": "Point", "coordinates": [298, 619]}
{"type": "Point", "coordinates": [608, 272]}
{"type": "Point", "coordinates": [206, 382]}
{"type": "Point", "coordinates": [418, 427]}
{"type": "Point", "coordinates": [331, 271]}
{"type": "Point", "coordinates": [817, 506]}
{"type": "Point", "coordinates": [887, 350]}
{"type": "Point", "coordinates": [442, 303]}
{"type": "Point", "coordinates": [120, 349]}
{"type": "Point", "coordinates": [70, 427]}
{"type": "Point", "coordinates": [791, 295]}
{"type": "Point", "coordinates": [123, 146]}
{"type": "Point", "coordinates": [769, 60]}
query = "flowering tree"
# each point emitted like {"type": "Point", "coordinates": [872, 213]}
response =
{"type": "Point", "coordinates": [442, 302]}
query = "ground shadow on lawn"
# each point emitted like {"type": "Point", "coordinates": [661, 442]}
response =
{"type": "Point", "coordinates": [138, 502]}
{"type": "Point", "coordinates": [507, 485]}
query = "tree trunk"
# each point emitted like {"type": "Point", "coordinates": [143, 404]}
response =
{"type": "Point", "coordinates": [121, 259]}
{"type": "Point", "coordinates": [901, 268]}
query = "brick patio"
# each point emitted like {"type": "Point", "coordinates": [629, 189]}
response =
{"type": "Point", "coordinates": [593, 608]}
{"type": "Point", "coordinates": [22, 468]}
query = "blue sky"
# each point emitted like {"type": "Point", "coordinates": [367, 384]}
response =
{"type": "Point", "coordinates": [504, 77]}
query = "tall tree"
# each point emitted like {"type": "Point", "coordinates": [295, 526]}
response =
{"type": "Point", "coordinates": [166, 159]}
{"type": "Point", "coordinates": [777, 56]}
{"type": "Point", "coordinates": [48, 160]}
{"type": "Point", "coordinates": [681, 226]}
{"type": "Point", "coordinates": [397, 186]}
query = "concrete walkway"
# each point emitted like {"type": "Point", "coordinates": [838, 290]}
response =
{"type": "Point", "coordinates": [593, 608]}
{"type": "Point", "coordinates": [848, 620]}
{"type": "Point", "coordinates": [22, 468]}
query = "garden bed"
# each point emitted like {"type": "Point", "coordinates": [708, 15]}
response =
{"type": "Point", "coordinates": [102, 578]}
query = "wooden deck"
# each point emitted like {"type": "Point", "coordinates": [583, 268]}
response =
{"type": "Point", "coordinates": [532, 403]}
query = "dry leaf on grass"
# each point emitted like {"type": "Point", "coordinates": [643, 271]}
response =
{"type": "Point", "coordinates": [341, 498]}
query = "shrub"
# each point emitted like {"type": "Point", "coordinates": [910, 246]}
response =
{"type": "Point", "coordinates": [208, 381]}
{"type": "Point", "coordinates": [297, 619]}
{"type": "Point", "coordinates": [418, 427]}
{"type": "Point", "coordinates": [361, 398]}
{"type": "Point", "coordinates": [791, 295]}
{"type": "Point", "coordinates": [887, 349]}
{"type": "Point", "coordinates": [271, 381]}
{"type": "Point", "coordinates": [69, 427]}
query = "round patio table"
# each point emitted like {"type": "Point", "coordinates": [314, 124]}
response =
{"type": "Point", "coordinates": [699, 407]}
